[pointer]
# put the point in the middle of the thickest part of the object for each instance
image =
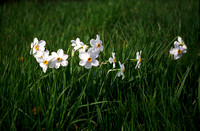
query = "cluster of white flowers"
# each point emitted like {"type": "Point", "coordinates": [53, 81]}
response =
{"type": "Point", "coordinates": [179, 49]}
{"type": "Point", "coordinates": [88, 57]}
{"type": "Point", "coordinates": [44, 59]}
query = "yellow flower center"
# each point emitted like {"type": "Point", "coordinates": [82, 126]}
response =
{"type": "Point", "coordinates": [181, 44]}
{"type": "Point", "coordinates": [89, 59]}
{"type": "Point", "coordinates": [45, 62]}
{"type": "Point", "coordinates": [140, 60]}
{"type": "Point", "coordinates": [41, 56]}
{"type": "Point", "coordinates": [98, 45]}
{"type": "Point", "coordinates": [58, 59]}
{"type": "Point", "coordinates": [179, 51]}
{"type": "Point", "coordinates": [123, 69]}
{"type": "Point", "coordinates": [114, 60]}
{"type": "Point", "coordinates": [36, 47]}
{"type": "Point", "coordinates": [82, 47]}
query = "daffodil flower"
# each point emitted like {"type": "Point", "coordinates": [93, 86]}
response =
{"type": "Point", "coordinates": [96, 44]}
{"type": "Point", "coordinates": [88, 59]}
{"type": "Point", "coordinates": [59, 58]}
{"type": "Point", "coordinates": [180, 42]}
{"type": "Point", "coordinates": [121, 73]}
{"type": "Point", "coordinates": [112, 59]}
{"type": "Point", "coordinates": [37, 46]}
{"type": "Point", "coordinates": [39, 55]}
{"type": "Point", "coordinates": [139, 59]}
{"type": "Point", "coordinates": [78, 45]}
{"type": "Point", "coordinates": [45, 61]}
{"type": "Point", "coordinates": [178, 51]}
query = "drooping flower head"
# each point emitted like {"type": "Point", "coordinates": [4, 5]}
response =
{"type": "Point", "coordinates": [37, 46]}
{"type": "Point", "coordinates": [112, 59]}
{"type": "Point", "coordinates": [59, 58]}
{"type": "Point", "coordinates": [179, 49]}
{"type": "Point", "coordinates": [78, 45]}
{"type": "Point", "coordinates": [88, 59]}
{"type": "Point", "coordinates": [180, 42]}
{"type": "Point", "coordinates": [121, 73]}
{"type": "Point", "coordinates": [96, 44]}
{"type": "Point", "coordinates": [139, 59]}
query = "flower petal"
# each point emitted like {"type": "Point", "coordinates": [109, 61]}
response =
{"type": "Point", "coordinates": [173, 51]}
{"type": "Point", "coordinates": [82, 63]}
{"type": "Point", "coordinates": [42, 43]}
{"type": "Point", "coordinates": [64, 63]}
{"type": "Point", "coordinates": [60, 52]}
{"type": "Point", "coordinates": [95, 63]}
{"type": "Point", "coordinates": [88, 65]}
{"type": "Point", "coordinates": [110, 60]}
{"type": "Point", "coordinates": [93, 42]}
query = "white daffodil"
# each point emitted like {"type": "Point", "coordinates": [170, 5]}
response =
{"type": "Point", "coordinates": [44, 62]}
{"type": "Point", "coordinates": [139, 59]}
{"type": "Point", "coordinates": [112, 59]}
{"type": "Point", "coordinates": [59, 58]}
{"type": "Point", "coordinates": [96, 44]}
{"type": "Point", "coordinates": [88, 59]}
{"type": "Point", "coordinates": [39, 55]}
{"type": "Point", "coordinates": [178, 51]}
{"type": "Point", "coordinates": [121, 73]}
{"type": "Point", "coordinates": [180, 42]}
{"type": "Point", "coordinates": [78, 45]}
{"type": "Point", "coordinates": [37, 46]}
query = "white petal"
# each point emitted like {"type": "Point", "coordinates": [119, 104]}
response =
{"type": "Point", "coordinates": [41, 48]}
{"type": "Point", "coordinates": [179, 39]}
{"type": "Point", "coordinates": [93, 43]}
{"type": "Point", "coordinates": [113, 65]}
{"type": "Point", "coordinates": [42, 43]}
{"type": "Point", "coordinates": [32, 44]}
{"type": "Point", "coordinates": [95, 63]}
{"type": "Point", "coordinates": [52, 64]}
{"type": "Point", "coordinates": [34, 51]}
{"type": "Point", "coordinates": [120, 63]}
{"type": "Point", "coordinates": [173, 51]}
{"type": "Point", "coordinates": [83, 56]}
{"type": "Point", "coordinates": [176, 44]}
{"type": "Point", "coordinates": [113, 54]}
{"type": "Point", "coordinates": [64, 63]}
{"type": "Point", "coordinates": [119, 74]}
{"type": "Point", "coordinates": [77, 40]}
{"type": "Point", "coordinates": [57, 65]}
{"type": "Point", "coordinates": [60, 52]}
{"type": "Point", "coordinates": [110, 60]}
{"type": "Point", "coordinates": [42, 64]}
{"type": "Point", "coordinates": [98, 37]}
{"type": "Point", "coordinates": [54, 54]}
{"type": "Point", "coordinates": [64, 57]}
{"type": "Point", "coordinates": [35, 41]}
{"type": "Point", "coordinates": [44, 69]}
{"type": "Point", "coordinates": [82, 63]}
{"type": "Point", "coordinates": [123, 76]}
{"type": "Point", "coordinates": [88, 65]}
{"type": "Point", "coordinates": [177, 56]}
{"type": "Point", "coordinates": [184, 51]}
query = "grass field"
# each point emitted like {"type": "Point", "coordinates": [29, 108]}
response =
{"type": "Point", "coordinates": [164, 94]}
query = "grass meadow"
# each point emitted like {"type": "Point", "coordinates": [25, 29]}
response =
{"type": "Point", "coordinates": [164, 94]}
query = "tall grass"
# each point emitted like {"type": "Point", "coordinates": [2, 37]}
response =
{"type": "Point", "coordinates": [162, 94]}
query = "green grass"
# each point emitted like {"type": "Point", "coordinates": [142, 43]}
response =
{"type": "Point", "coordinates": [163, 94]}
